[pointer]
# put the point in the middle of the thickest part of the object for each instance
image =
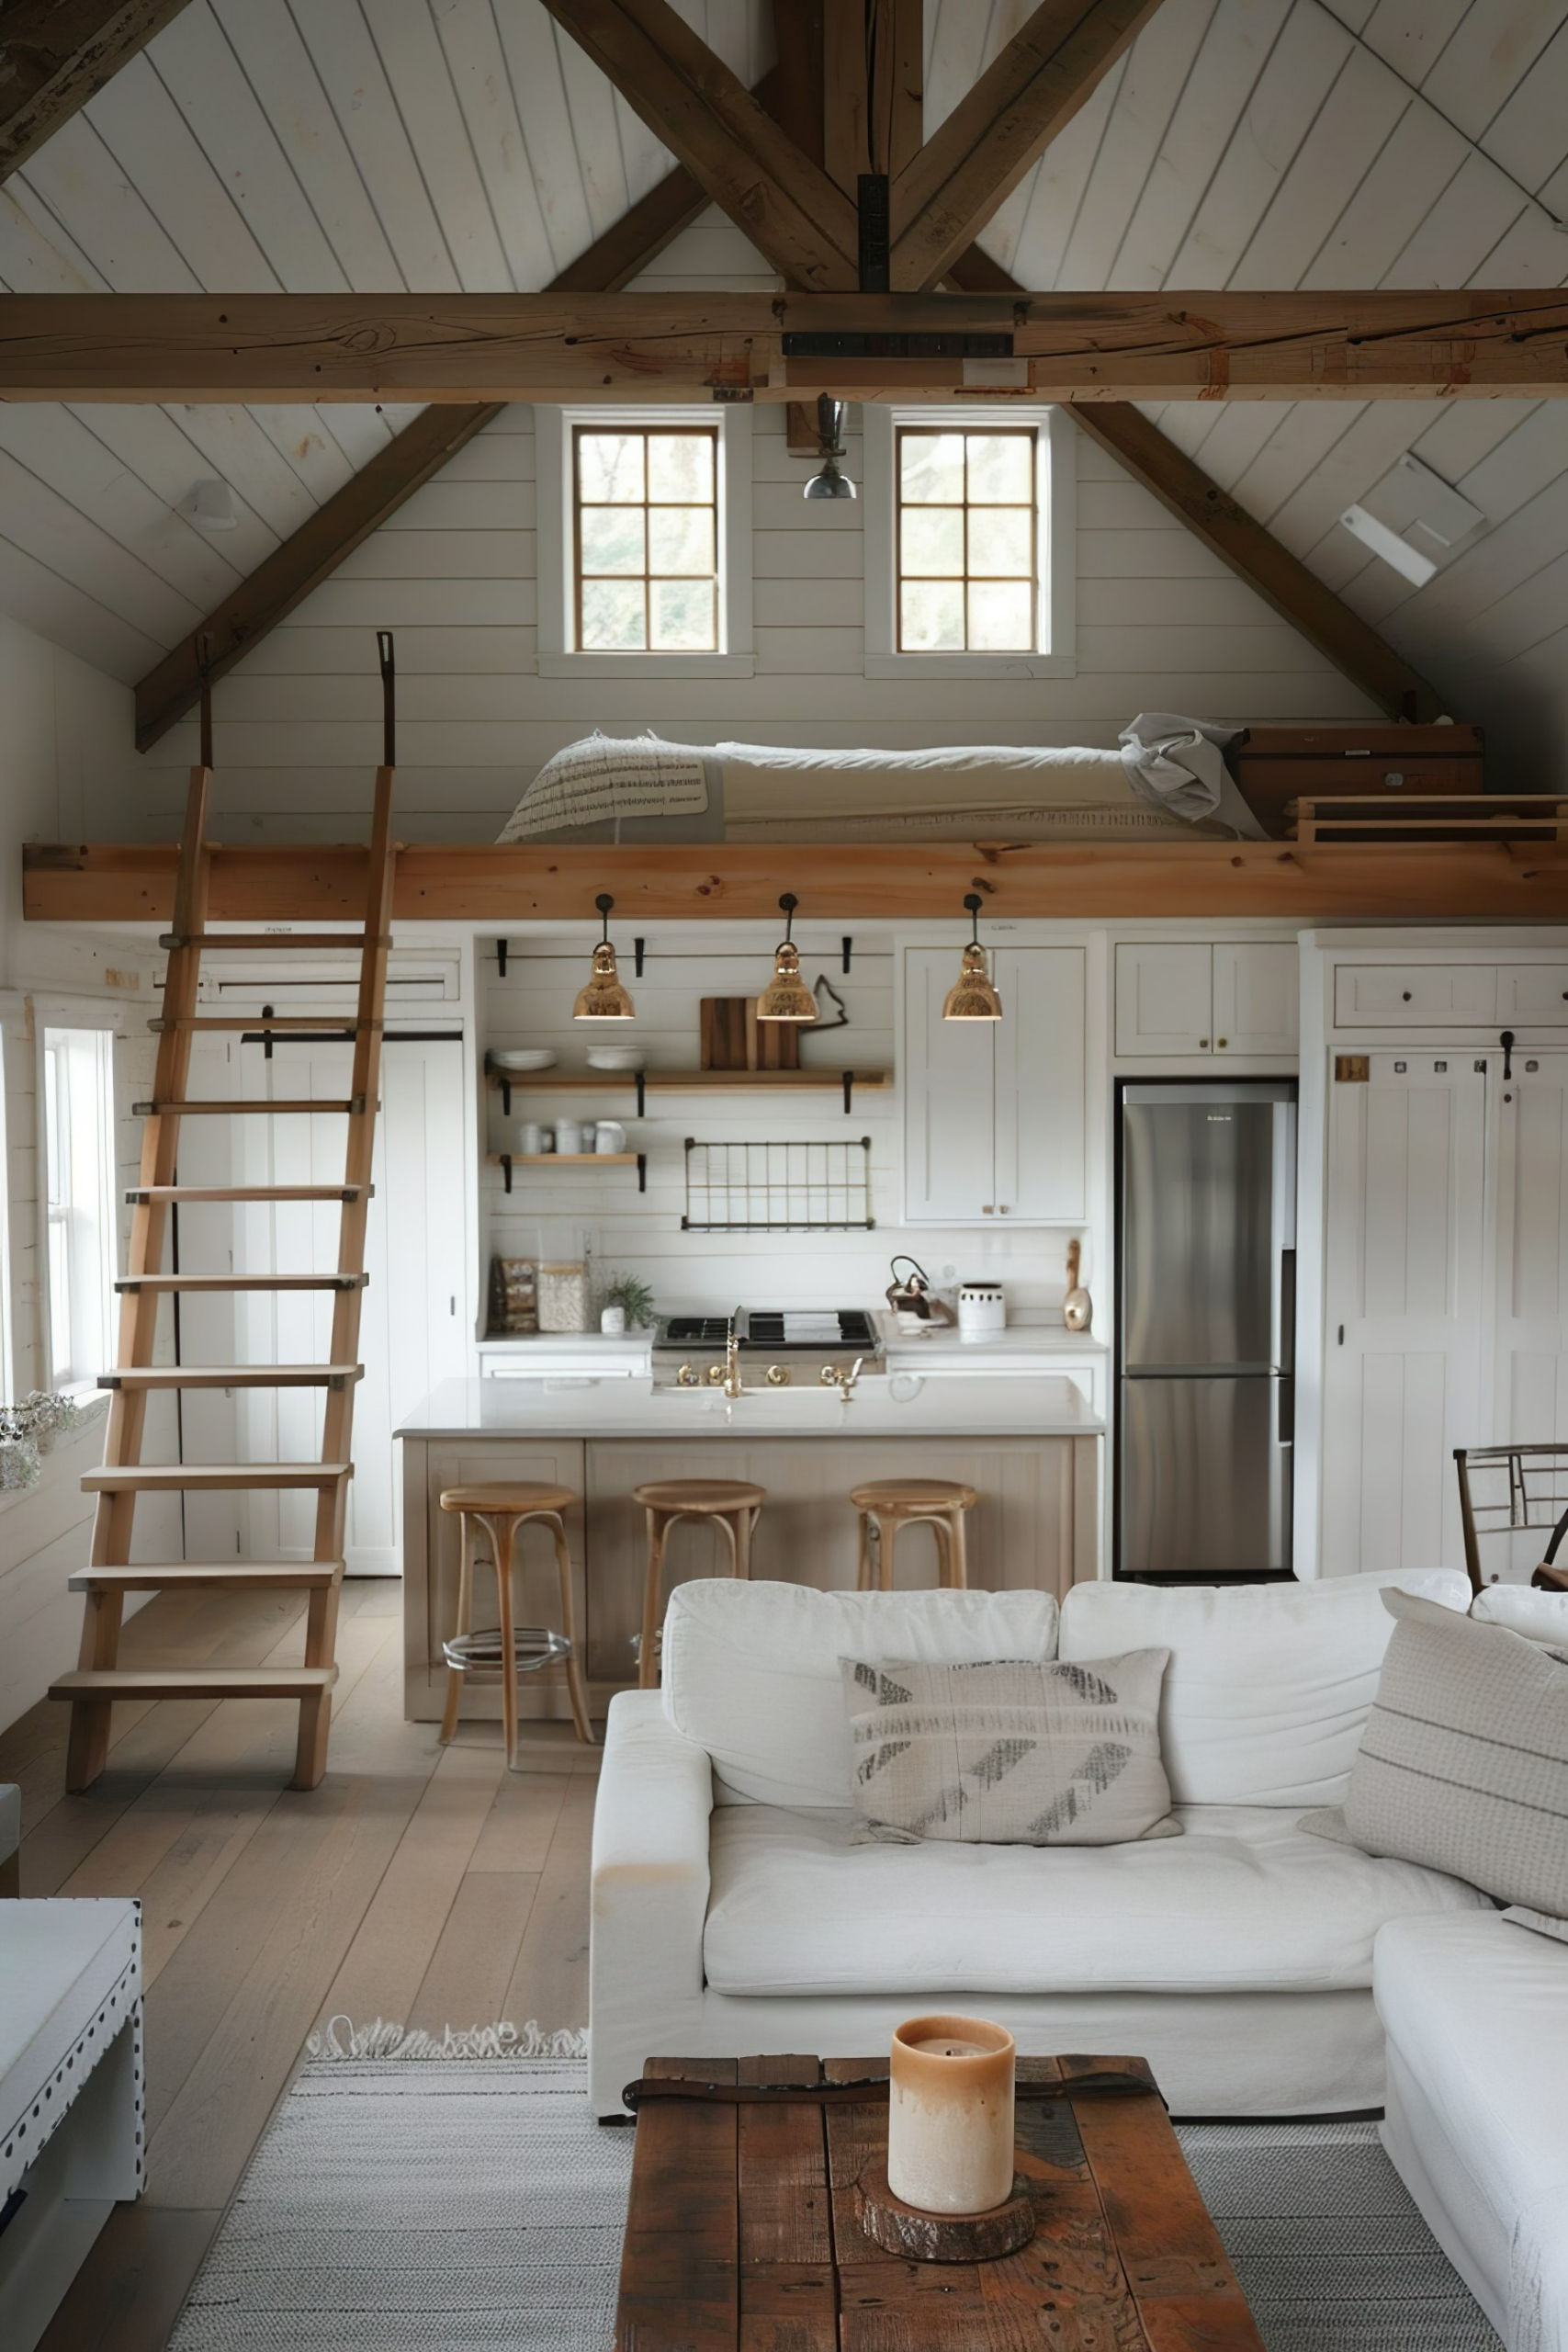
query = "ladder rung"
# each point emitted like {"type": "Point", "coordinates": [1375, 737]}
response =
{"type": "Point", "coordinates": [141, 1195]}
{"type": "Point", "coordinates": [255, 943]}
{"type": "Point", "coordinates": [354, 1103]}
{"type": "Point", "coordinates": [333, 1024]}
{"type": "Point", "coordinates": [194, 1683]}
{"type": "Point", "coordinates": [231, 1375]}
{"type": "Point", "coordinates": [206, 1478]}
{"type": "Point", "coordinates": [231, 1575]}
{"type": "Point", "coordinates": [200, 1283]}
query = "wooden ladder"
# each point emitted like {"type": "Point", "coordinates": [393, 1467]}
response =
{"type": "Point", "coordinates": [99, 1680]}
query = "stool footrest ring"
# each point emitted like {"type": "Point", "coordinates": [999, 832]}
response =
{"type": "Point", "coordinates": [532, 1647]}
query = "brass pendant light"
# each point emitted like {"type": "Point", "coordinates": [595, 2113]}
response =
{"type": "Point", "coordinates": [604, 998]}
{"type": "Point", "coordinates": [786, 996]}
{"type": "Point", "coordinates": [973, 996]}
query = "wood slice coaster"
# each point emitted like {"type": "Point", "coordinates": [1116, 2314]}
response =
{"type": "Point", "coordinates": [943, 2237]}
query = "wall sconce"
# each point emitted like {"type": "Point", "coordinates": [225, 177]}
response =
{"type": "Point", "coordinates": [786, 996]}
{"type": "Point", "coordinates": [973, 996]}
{"type": "Point", "coordinates": [604, 998]}
{"type": "Point", "coordinates": [828, 482]}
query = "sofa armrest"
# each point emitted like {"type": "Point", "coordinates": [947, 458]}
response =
{"type": "Point", "coordinates": [649, 1895]}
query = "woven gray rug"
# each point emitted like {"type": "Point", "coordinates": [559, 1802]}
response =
{"type": "Point", "coordinates": [413, 2206]}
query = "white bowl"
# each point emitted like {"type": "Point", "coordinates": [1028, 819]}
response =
{"type": "Point", "coordinates": [524, 1057]}
{"type": "Point", "coordinates": [616, 1058]}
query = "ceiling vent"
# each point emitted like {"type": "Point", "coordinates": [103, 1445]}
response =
{"type": "Point", "coordinates": [1413, 520]}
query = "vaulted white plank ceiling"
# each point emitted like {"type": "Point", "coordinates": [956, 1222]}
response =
{"type": "Point", "coordinates": [445, 144]}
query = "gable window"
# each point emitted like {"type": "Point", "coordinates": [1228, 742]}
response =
{"type": "Point", "coordinates": [969, 543]}
{"type": "Point", "coordinates": [645, 530]}
{"type": "Point", "coordinates": [78, 1204]}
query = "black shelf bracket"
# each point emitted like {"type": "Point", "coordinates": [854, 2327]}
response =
{"type": "Point", "coordinates": [501, 958]}
{"type": "Point", "coordinates": [849, 1077]}
{"type": "Point", "coordinates": [848, 948]}
{"type": "Point", "coordinates": [641, 1088]}
{"type": "Point", "coordinates": [506, 1170]}
{"type": "Point", "coordinates": [505, 1096]}
{"type": "Point", "coordinates": [639, 946]}
{"type": "Point", "coordinates": [642, 1172]}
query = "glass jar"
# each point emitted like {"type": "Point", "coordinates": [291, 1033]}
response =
{"type": "Point", "coordinates": [564, 1295]}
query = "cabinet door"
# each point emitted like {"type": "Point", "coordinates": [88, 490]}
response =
{"type": "Point", "coordinates": [1399, 996]}
{"type": "Point", "coordinates": [1533, 992]}
{"type": "Point", "coordinates": [948, 1086]}
{"type": "Point", "coordinates": [1041, 1118]}
{"type": "Point", "coordinates": [1255, 996]}
{"type": "Point", "coordinates": [1403, 1349]}
{"type": "Point", "coordinates": [1164, 999]}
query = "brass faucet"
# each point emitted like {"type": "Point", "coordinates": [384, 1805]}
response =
{"type": "Point", "coordinates": [733, 1384]}
{"type": "Point", "coordinates": [835, 1376]}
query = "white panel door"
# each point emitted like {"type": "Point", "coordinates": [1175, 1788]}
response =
{"type": "Point", "coordinates": [1531, 1291]}
{"type": "Point", "coordinates": [1165, 998]}
{"type": "Point", "coordinates": [1404, 1289]}
{"type": "Point", "coordinates": [1040, 1117]}
{"type": "Point", "coordinates": [416, 1251]}
{"type": "Point", "coordinates": [1256, 987]}
{"type": "Point", "coordinates": [948, 1087]}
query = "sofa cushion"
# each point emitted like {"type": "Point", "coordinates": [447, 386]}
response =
{"type": "Point", "coordinates": [751, 1670]}
{"type": "Point", "coordinates": [1012, 1752]}
{"type": "Point", "coordinates": [1478, 2015]}
{"type": "Point", "coordinates": [1243, 1901]}
{"type": "Point", "coordinates": [1538, 1616]}
{"type": "Point", "coordinates": [1464, 1766]}
{"type": "Point", "coordinates": [1269, 1686]}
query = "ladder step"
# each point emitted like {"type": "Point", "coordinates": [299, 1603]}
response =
{"type": "Point", "coordinates": [228, 1576]}
{"type": "Point", "coordinates": [194, 1683]}
{"type": "Point", "coordinates": [142, 1194]}
{"type": "Point", "coordinates": [231, 1375]}
{"type": "Point", "coordinates": [199, 1283]}
{"type": "Point", "coordinates": [192, 1110]}
{"type": "Point", "coordinates": [334, 1021]}
{"type": "Point", "coordinates": [261, 942]}
{"type": "Point", "coordinates": [205, 1477]}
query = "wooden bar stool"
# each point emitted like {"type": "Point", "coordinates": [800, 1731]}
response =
{"type": "Point", "coordinates": [730, 1503]}
{"type": "Point", "coordinates": [889, 1505]}
{"type": "Point", "coordinates": [502, 1506]}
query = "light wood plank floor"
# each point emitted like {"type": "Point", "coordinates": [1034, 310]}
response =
{"type": "Point", "coordinates": [418, 1885]}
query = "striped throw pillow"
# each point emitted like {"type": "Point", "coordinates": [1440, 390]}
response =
{"type": "Point", "coordinates": [1463, 1764]}
{"type": "Point", "coordinates": [1014, 1752]}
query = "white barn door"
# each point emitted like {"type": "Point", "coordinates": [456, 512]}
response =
{"type": "Point", "coordinates": [1404, 1346]}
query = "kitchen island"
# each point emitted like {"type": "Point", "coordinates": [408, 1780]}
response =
{"type": "Point", "coordinates": [1030, 1444]}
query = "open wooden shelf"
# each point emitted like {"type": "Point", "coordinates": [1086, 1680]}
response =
{"type": "Point", "coordinates": [507, 1160]}
{"type": "Point", "coordinates": [687, 1081]}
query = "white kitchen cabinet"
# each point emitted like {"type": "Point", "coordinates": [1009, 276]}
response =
{"type": "Point", "coordinates": [1537, 993]}
{"type": "Point", "coordinates": [1165, 998]}
{"type": "Point", "coordinates": [995, 1121]}
{"type": "Point", "coordinates": [1406, 996]}
{"type": "Point", "coordinates": [1191, 997]}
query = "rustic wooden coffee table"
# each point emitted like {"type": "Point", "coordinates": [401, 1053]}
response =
{"type": "Point", "coordinates": [743, 2234]}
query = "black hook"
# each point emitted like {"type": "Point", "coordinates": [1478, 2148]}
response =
{"type": "Point", "coordinates": [388, 698]}
{"type": "Point", "coordinates": [848, 946]}
{"type": "Point", "coordinates": [1507, 1042]}
{"type": "Point", "coordinates": [637, 947]}
{"type": "Point", "coordinates": [501, 958]}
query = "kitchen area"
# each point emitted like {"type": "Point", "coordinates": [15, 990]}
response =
{"type": "Point", "coordinates": [875, 1242]}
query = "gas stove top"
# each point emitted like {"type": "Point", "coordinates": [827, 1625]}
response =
{"type": "Point", "coordinates": [805, 1344]}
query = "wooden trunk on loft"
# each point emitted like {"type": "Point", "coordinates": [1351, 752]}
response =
{"type": "Point", "coordinates": [1276, 766]}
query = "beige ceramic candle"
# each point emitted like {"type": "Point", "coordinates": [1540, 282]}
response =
{"type": "Point", "coordinates": [949, 2114]}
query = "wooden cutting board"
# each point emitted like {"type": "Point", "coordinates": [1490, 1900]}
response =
{"type": "Point", "coordinates": [732, 1037]}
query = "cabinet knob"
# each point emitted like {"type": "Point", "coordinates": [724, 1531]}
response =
{"type": "Point", "coordinates": [989, 1210]}
{"type": "Point", "coordinates": [1001, 1208]}
{"type": "Point", "coordinates": [1203, 1044]}
{"type": "Point", "coordinates": [1406, 993]}
{"type": "Point", "coordinates": [1221, 1043]}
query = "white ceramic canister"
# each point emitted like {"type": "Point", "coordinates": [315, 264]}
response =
{"type": "Point", "coordinates": [609, 1136]}
{"type": "Point", "coordinates": [982, 1310]}
{"type": "Point", "coordinates": [568, 1135]}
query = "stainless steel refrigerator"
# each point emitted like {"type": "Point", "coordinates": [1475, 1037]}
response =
{"type": "Point", "coordinates": [1206, 1328]}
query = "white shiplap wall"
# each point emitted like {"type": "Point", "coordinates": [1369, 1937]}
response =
{"type": "Point", "coordinates": [1162, 624]}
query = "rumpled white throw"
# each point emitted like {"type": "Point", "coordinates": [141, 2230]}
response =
{"type": "Point", "coordinates": [608, 776]}
{"type": "Point", "coordinates": [1178, 764]}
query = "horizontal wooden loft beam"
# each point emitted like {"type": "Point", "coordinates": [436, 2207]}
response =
{"type": "Point", "coordinates": [840, 881]}
{"type": "Point", "coordinates": [469, 347]}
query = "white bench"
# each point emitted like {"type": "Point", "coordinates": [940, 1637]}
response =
{"type": "Point", "coordinates": [71, 2095]}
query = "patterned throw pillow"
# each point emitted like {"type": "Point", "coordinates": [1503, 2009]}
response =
{"type": "Point", "coordinates": [1463, 1764]}
{"type": "Point", "coordinates": [1014, 1752]}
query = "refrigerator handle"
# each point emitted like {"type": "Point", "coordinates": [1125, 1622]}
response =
{"type": "Point", "coordinates": [1285, 1406]}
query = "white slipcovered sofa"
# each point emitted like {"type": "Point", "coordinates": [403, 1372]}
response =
{"type": "Point", "coordinates": [731, 1914]}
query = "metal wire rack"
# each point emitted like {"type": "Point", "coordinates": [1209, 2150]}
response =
{"type": "Point", "coordinates": [793, 1187]}
{"type": "Point", "coordinates": [1510, 1491]}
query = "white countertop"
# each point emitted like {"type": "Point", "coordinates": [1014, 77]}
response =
{"type": "Point", "coordinates": [1044, 1341]}
{"type": "Point", "coordinates": [899, 1404]}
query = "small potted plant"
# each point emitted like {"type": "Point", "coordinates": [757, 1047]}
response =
{"type": "Point", "coordinates": [626, 1304]}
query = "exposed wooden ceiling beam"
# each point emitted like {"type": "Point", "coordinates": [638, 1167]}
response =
{"type": "Point", "coordinates": [872, 91]}
{"type": "Point", "coordinates": [788, 207]}
{"type": "Point", "coordinates": [1240, 541]}
{"type": "Point", "coordinates": [949, 190]}
{"type": "Point", "coordinates": [478, 883]}
{"type": "Point", "coordinates": [55, 53]}
{"type": "Point", "coordinates": [1409, 343]}
{"type": "Point", "coordinates": [314, 551]}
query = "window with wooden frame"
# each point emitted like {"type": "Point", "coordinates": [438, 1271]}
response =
{"type": "Point", "coordinates": [970, 543]}
{"type": "Point", "coordinates": [967, 540]}
{"type": "Point", "coordinates": [645, 537]}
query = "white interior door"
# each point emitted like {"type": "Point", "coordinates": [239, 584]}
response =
{"type": "Point", "coordinates": [1404, 1301]}
{"type": "Point", "coordinates": [410, 1332]}
{"type": "Point", "coordinates": [1531, 1289]}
